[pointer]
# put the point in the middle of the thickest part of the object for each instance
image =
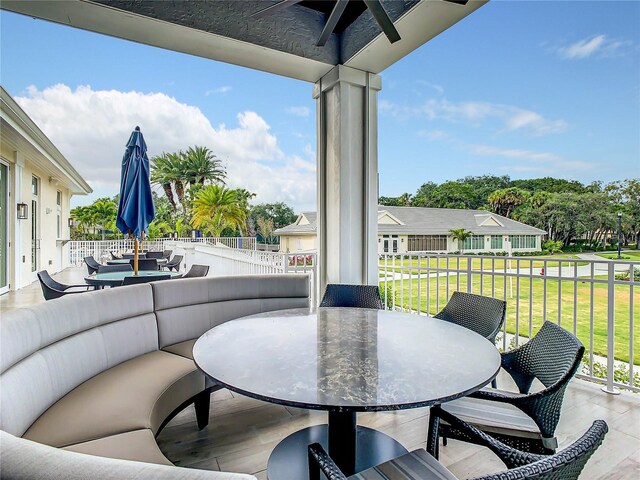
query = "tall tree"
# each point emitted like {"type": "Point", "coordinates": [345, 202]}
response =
{"type": "Point", "coordinates": [280, 213]}
{"type": "Point", "coordinates": [506, 200]}
{"type": "Point", "coordinates": [217, 208]}
{"type": "Point", "coordinates": [162, 174]}
{"type": "Point", "coordinates": [202, 165]}
{"type": "Point", "coordinates": [460, 235]}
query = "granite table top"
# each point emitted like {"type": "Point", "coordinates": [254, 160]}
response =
{"type": "Point", "coordinates": [347, 359]}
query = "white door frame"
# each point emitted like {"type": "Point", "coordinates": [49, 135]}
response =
{"type": "Point", "coordinates": [5, 247]}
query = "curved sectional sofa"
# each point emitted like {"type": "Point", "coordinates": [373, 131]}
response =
{"type": "Point", "coordinates": [99, 374]}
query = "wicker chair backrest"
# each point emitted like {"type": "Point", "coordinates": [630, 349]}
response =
{"type": "Point", "coordinates": [360, 296]}
{"type": "Point", "coordinates": [483, 315]}
{"type": "Point", "coordinates": [197, 271]}
{"type": "Point", "coordinates": [564, 465]}
{"type": "Point", "coordinates": [115, 268]}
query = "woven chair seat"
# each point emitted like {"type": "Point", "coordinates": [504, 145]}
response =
{"type": "Point", "coordinates": [497, 418]}
{"type": "Point", "coordinates": [411, 466]}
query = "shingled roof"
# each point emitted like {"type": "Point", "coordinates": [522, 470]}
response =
{"type": "Point", "coordinates": [426, 221]}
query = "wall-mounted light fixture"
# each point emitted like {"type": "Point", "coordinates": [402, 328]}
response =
{"type": "Point", "coordinates": [23, 211]}
{"type": "Point", "coordinates": [70, 222]}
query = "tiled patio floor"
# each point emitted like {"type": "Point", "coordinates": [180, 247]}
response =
{"type": "Point", "coordinates": [243, 431]}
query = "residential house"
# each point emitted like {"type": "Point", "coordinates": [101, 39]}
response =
{"type": "Point", "coordinates": [36, 185]}
{"type": "Point", "coordinates": [414, 229]}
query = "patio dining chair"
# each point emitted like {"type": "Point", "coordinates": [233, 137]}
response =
{"type": "Point", "coordinates": [167, 254]}
{"type": "Point", "coordinates": [129, 256]}
{"type": "Point", "coordinates": [174, 263]}
{"type": "Point", "coordinates": [134, 280]}
{"type": "Point", "coordinates": [146, 264]}
{"type": "Point", "coordinates": [419, 465]}
{"type": "Point", "coordinates": [92, 264]}
{"type": "Point", "coordinates": [525, 420]}
{"type": "Point", "coordinates": [196, 271]}
{"type": "Point", "coordinates": [52, 289]}
{"type": "Point", "coordinates": [359, 296]}
{"type": "Point", "coordinates": [483, 315]}
{"type": "Point", "coordinates": [157, 255]}
{"type": "Point", "coordinates": [115, 268]}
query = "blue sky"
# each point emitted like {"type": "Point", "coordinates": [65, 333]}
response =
{"type": "Point", "coordinates": [525, 89]}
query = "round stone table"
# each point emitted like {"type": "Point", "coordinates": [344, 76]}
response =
{"type": "Point", "coordinates": [344, 360]}
{"type": "Point", "coordinates": [114, 279]}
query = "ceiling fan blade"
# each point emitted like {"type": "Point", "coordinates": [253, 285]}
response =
{"type": "Point", "coordinates": [332, 21]}
{"type": "Point", "coordinates": [380, 15]}
{"type": "Point", "coordinates": [271, 9]}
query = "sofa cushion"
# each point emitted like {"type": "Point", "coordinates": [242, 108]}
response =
{"type": "Point", "coordinates": [62, 343]}
{"type": "Point", "coordinates": [184, 349]}
{"type": "Point", "coordinates": [139, 445]}
{"type": "Point", "coordinates": [188, 308]}
{"type": "Point", "coordinates": [22, 459]}
{"type": "Point", "coordinates": [137, 394]}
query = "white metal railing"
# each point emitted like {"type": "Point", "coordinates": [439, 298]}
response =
{"type": "Point", "coordinates": [598, 301]}
{"type": "Point", "coordinates": [99, 249]}
{"type": "Point", "coordinates": [231, 261]}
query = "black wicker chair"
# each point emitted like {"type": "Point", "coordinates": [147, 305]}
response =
{"type": "Point", "coordinates": [114, 256]}
{"type": "Point", "coordinates": [157, 255]}
{"type": "Point", "coordinates": [174, 263]}
{"type": "Point", "coordinates": [134, 280]}
{"type": "Point", "coordinates": [526, 421]}
{"type": "Point", "coordinates": [196, 271]}
{"type": "Point", "coordinates": [167, 254]}
{"type": "Point", "coordinates": [483, 315]}
{"type": "Point", "coordinates": [146, 264]}
{"type": "Point", "coordinates": [115, 268]}
{"type": "Point", "coordinates": [52, 289]}
{"type": "Point", "coordinates": [419, 465]}
{"type": "Point", "coordinates": [360, 296]}
{"type": "Point", "coordinates": [92, 265]}
{"type": "Point", "coordinates": [129, 256]}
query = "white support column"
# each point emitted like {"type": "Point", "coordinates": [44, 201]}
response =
{"type": "Point", "coordinates": [347, 171]}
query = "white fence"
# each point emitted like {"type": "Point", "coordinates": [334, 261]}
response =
{"type": "Point", "coordinates": [596, 300]}
{"type": "Point", "coordinates": [99, 249]}
{"type": "Point", "coordinates": [230, 261]}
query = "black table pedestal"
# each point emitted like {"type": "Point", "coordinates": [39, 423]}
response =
{"type": "Point", "coordinates": [289, 460]}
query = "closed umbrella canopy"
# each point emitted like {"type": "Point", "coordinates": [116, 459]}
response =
{"type": "Point", "coordinates": [135, 208]}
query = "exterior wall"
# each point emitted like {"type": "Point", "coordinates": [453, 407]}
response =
{"type": "Point", "coordinates": [51, 254]}
{"type": "Point", "coordinates": [452, 245]}
{"type": "Point", "coordinates": [298, 243]}
{"type": "Point", "coordinates": [402, 243]}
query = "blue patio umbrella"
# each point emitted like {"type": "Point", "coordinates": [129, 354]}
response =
{"type": "Point", "coordinates": [135, 208]}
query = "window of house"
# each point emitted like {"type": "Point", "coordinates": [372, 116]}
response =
{"type": "Point", "coordinates": [59, 213]}
{"type": "Point", "coordinates": [474, 242]}
{"type": "Point", "coordinates": [496, 242]}
{"type": "Point", "coordinates": [427, 243]}
{"type": "Point", "coordinates": [34, 186]}
{"type": "Point", "coordinates": [522, 241]}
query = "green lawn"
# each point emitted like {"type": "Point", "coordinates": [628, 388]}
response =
{"type": "Point", "coordinates": [633, 256]}
{"type": "Point", "coordinates": [414, 295]}
{"type": "Point", "coordinates": [461, 263]}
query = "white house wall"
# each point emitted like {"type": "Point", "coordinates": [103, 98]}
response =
{"type": "Point", "coordinates": [51, 253]}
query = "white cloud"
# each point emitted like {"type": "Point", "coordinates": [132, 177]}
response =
{"type": "Point", "coordinates": [433, 134]}
{"type": "Point", "coordinates": [299, 111]}
{"type": "Point", "coordinates": [510, 118]}
{"type": "Point", "coordinates": [530, 161]}
{"type": "Point", "coordinates": [435, 86]}
{"type": "Point", "coordinates": [598, 45]}
{"type": "Point", "coordinates": [91, 127]}
{"type": "Point", "coordinates": [217, 91]}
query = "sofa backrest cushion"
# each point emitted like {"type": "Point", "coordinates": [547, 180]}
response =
{"type": "Point", "coordinates": [49, 349]}
{"type": "Point", "coordinates": [189, 307]}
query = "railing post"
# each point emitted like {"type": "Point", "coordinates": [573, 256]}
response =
{"type": "Point", "coordinates": [609, 388]}
{"type": "Point", "coordinates": [469, 283]}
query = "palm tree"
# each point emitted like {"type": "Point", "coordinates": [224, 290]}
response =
{"type": "Point", "coordinates": [216, 208]}
{"type": "Point", "coordinates": [161, 174]}
{"type": "Point", "coordinates": [460, 234]}
{"type": "Point", "coordinates": [201, 165]}
{"type": "Point", "coordinates": [176, 173]}
{"type": "Point", "coordinates": [83, 218]}
{"type": "Point", "coordinates": [103, 213]}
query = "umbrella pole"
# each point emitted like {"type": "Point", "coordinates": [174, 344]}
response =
{"type": "Point", "coordinates": [135, 257]}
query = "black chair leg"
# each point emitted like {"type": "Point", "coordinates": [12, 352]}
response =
{"type": "Point", "coordinates": [432, 432]}
{"type": "Point", "coordinates": [494, 383]}
{"type": "Point", "coordinates": [202, 403]}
